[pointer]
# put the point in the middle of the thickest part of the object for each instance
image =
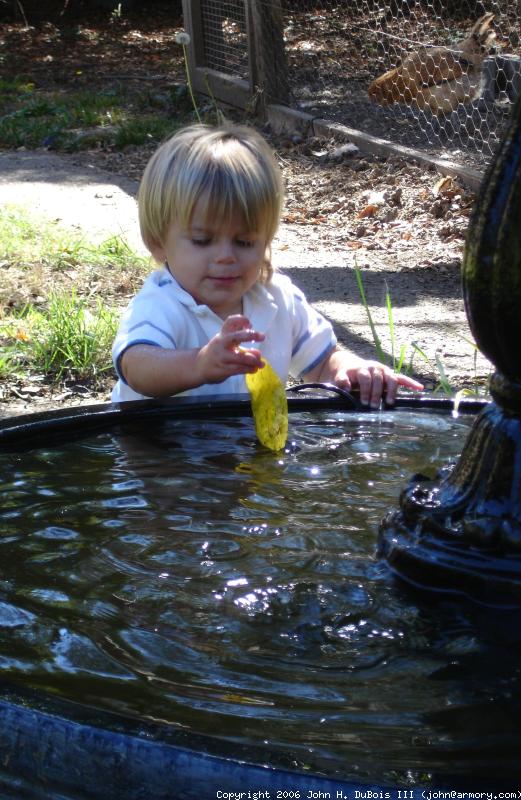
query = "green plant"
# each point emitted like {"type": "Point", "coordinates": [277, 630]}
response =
{"type": "Point", "coordinates": [65, 332]}
{"type": "Point", "coordinates": [183, 39]}
{"type": "Point", "coordinates": [68, 338]}
{"type": "Point", "coordinates": [27, 241]}
{"type": "Point", "coordinates": [83, 118]}
{"type": "Point", "coordinates": [398, 363]}
{"type": "Point", "coordinates": [116, 15]}
{"type": "Point", "coordinates": [219, 116]}
{"type": "Point", "coordinates": [8, 362]}
{"type": "Point", "coordinates": [143, 129]}
{"type": "Point", "coordinates": [475, 350]}
{"type": "Point", "coordinates": [443, 381]}
{"type": "Point", "coordinates": [46, 119]}
{"type": "Point", "coordinates": [376, 339]}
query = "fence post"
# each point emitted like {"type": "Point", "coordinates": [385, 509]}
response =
{"type": "Point", "coordinates": [194, 25]}
{"type": "Point", "coordinates": [203, 20]}
{"type": "Point", "coordinates": [269, 67]}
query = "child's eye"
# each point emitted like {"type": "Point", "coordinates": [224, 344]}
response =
{"type": "Point", "coordinates": [245, 242]}
{"type": "Point", "coordinates": [201, 242]}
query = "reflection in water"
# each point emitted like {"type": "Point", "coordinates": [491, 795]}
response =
{"type": "Point", "coordinates": [182, 573]}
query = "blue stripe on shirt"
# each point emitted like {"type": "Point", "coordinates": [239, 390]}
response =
{"type": "Point", "coordinates": [305, 336]}
{"type": "Point", "coordinates": [331, 346]}
{"type": "Point", "coordinates": [319, 321]}
{"type": "Point", "coordinates": [117, 363]}
{"type": "Point", "coordinates": [148, 324]}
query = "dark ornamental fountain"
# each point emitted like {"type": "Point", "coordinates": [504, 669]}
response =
{"type": "Point", "coordinates": [462, 531]}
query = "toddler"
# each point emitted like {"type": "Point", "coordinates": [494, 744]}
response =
{"type": "Point", "coordinates": [209, 205]}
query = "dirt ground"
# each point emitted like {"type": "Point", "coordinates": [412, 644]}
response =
{"type": "Point", "coordinates": [390, 219]}
{"type": "Point", "coordinates": [401, 224]}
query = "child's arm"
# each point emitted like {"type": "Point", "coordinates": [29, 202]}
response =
{"type": "Point", "coordinates": [161, 372]}
{"type": "Point", "coordinates": [372, 378]}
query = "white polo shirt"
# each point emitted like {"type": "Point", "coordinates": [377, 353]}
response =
{"type": "Point", "coordinates": [163, 314]}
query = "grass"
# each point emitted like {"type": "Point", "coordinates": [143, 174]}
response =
{"type": "Point", "coordinates": [66, 338]}
{"type": "Point", "coordinates": [28, 241]}
{"type": "Point", "coordinates": [64, 332]}
{"type": "Point", "coordinates": [396, 362]}
{"type": "Point", "coordinates": [8, 366]}
{"type": "Point", "coordinates": [67, 333]}
{"type": "Point", "coordinates": [404, 362]}
{"type": "Point", "coordinates": [82, 119]}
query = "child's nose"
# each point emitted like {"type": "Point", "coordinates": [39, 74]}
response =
{"type": "Point", "coordinates": [226, 251]}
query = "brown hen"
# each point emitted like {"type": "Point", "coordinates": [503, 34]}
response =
{"type": "Point", "coordinates": [438, 78]}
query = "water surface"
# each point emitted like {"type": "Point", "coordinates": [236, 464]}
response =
{"type": "Point", "coordinates": [179, 572]}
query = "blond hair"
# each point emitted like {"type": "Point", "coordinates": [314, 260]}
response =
{"type": "Point", "coordinates": [229, 169]}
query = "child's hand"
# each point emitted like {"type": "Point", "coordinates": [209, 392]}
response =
{"type": "Point", "coordinates": [223, 356]}
{"type": "Point", "coordinates": [371, 378]}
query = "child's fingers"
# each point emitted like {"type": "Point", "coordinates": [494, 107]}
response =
{"type": "Point", "coordinates": [393, 381]}
{"type": "Point", "coordinates": [409, 383]}
{"type": "Point", "coordinates": [364, 380]}
{"type": "Point", "coordinates": [245, 359]}
{"type": "Point", "coordinates": [372, 381]}
{"type": "Point", "coordinates": [253, 360]}
{"type": "Point", "coordinates": [374, 378]}
{"type": "Point", "coordinates": [236, 330]}
{"type": "Point", "coordinates": [235, 322]}
{"type": "Point", "coordinates": [391, 387]}
{"type": "Point", "coordinates": [343, 382]}
{"type": "Point", "coordinates": [377, 388]}
{"type": "Point", "coordinates": [233, 340]}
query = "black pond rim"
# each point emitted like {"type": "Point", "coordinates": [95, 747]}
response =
{"type": "Point", "coordinates": [53, 749]}
{"type": "Point", "coordinates": [35, 429]}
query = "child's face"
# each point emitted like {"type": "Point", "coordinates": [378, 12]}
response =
{"type": "Point", "coordinates": [216, 266]}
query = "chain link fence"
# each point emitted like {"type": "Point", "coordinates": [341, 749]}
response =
{"type": "Point", "coordinates": [436, 76]}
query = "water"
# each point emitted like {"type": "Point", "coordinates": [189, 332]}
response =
{"type": "Point", "coordinates": [181, 573]}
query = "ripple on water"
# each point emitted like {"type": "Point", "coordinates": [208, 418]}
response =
{"type": "Point", "coordinates": [186, 574]}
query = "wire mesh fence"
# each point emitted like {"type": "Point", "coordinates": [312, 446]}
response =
{"type": "Point", "coordinates": [416, 73]}
{"type": "Point", "coordinates": [225, 38]}
{"type": "Point", "coordinates": [438, 76]}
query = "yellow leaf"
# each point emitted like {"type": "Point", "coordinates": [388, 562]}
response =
{"type": "Point", "coordinates": [269, 405]}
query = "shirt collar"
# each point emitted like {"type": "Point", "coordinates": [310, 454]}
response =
{"type": "Point", "coordinates": [258, 303]}
{"type": "Point", "coordinates": [260, 307]}
{"type": "Point", "coordinates": [182, 295]}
